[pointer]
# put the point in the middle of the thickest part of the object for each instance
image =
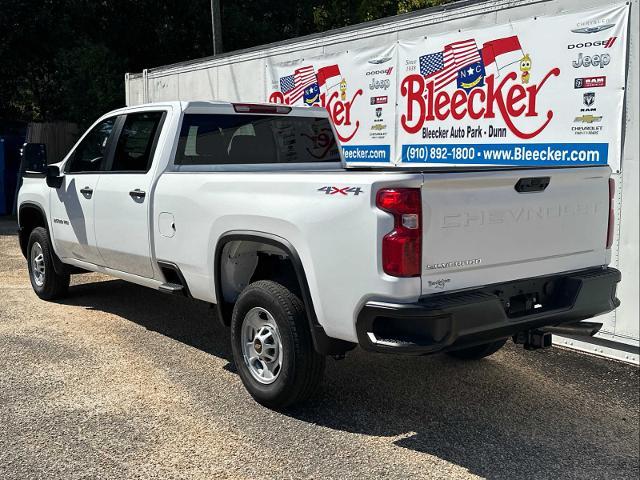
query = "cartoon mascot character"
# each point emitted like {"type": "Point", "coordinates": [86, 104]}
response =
{"type": "Point", "coordinates": [525, 66]}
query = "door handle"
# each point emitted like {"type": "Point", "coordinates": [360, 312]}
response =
{"type": "Point", "coordinates": [86, 191]}
{"type": "Point", "coordinates": [137, 194]}
{"type": "Point", "coordinates": [532, 184]}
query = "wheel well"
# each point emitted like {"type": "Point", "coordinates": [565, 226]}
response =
{"type": "Point", "coordinates": [244, 257]}
{"type": "Point", "coordinates": [245, 261]}
{"type": "Point", "coordinates": [29, 217]}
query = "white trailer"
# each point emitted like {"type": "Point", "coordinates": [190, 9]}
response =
{"type": "Point", "coordinates": [252, 75]}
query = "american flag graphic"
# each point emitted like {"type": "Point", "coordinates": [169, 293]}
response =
{"type": "Point", "coordinates": [293, 85]}
{"type": "Point", "coordinates": [443, 67]}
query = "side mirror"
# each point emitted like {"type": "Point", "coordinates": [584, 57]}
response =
{"type": "Point", "coordinates": [54, 178]}
{"type": "Point", "coordinates": [34, 157]}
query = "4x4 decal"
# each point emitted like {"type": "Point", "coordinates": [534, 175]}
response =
{"type": "Point", "coordinates": [341, 190]}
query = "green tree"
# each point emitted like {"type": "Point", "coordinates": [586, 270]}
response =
{"type": "Point", "coordinates": [340, 13]}
{"type": "Point", "coordinates": [247, 23]}
{"type": "Point", "coordinates": [66, 59]}
{"type": "Point", "coordinates": [405, 6]}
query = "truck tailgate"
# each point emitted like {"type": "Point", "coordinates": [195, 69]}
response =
{"type": "Point", "coordinates": [479, 229]}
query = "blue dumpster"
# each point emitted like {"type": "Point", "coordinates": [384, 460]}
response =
{"type": "Point", "coordinates": [12, 137]}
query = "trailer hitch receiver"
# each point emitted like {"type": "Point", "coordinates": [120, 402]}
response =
{"type": "Point", "coordinates": [533, 339]}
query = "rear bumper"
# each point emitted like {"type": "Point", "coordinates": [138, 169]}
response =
{"type": "Point", "coordinates": [449, 321]}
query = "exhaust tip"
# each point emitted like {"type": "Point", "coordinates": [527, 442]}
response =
{"type": "Point", "coordinates": [588, 329]}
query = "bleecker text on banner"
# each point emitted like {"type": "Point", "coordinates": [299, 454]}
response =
{"type": "Point", "coordinates": [506, 95]}
{"type": "Point", "coordinates": [358, 90]}
{"type": "Point", "coordinates": [500, 95]}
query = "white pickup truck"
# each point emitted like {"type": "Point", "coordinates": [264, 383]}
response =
{"type": "Point", "coordinates": [250, 207]}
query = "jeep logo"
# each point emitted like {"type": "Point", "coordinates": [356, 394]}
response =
{"type": "Point", "coordinates": [592, 60]}
{"type": "Point", "coordinates": [379, 84]}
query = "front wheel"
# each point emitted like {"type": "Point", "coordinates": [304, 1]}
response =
{"type": "Point", "coordinates": [478, 351]}
{"type": "Point", "coordinates": [272, 346]}
{"type": "Point", "coordinates": [46, 282]}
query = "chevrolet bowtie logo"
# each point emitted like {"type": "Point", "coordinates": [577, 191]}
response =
{"type": "Point", "coordinates": [587, 119]}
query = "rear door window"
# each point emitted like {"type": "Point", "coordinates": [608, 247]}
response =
{"type": "Point", "coordinates": [209, 139]}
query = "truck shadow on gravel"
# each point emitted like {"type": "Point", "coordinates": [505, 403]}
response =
{"type": "Point", "coordinates": [188, 321]}
{"type": "Point", "coordinates": [514, 415]}
{"type": "Point", "coordinates": [552, 414]}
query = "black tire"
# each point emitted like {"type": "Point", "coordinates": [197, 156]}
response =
{"type": "Point", "coordinates": [50, 285]}
{"type": "Point", "coordinates": [479, 351]}
{"type": "Point", "coordinates": [301, 368]}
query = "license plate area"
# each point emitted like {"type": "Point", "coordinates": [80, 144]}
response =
{"type": "Point", "coordinates": [529, 297]}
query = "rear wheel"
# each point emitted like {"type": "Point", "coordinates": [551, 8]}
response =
{"type": "Point", "coordinates": [46, 282]}
{"type": "Point", "coordinates": [479, 351]}
{"type": "Point", "coordinates": [272, 346]}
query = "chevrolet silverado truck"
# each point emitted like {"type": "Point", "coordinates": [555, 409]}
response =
{"type": "Point", "coordinates": [251, 208]}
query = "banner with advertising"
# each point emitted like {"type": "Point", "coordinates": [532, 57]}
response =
{"type": "Point", "coordinates": [358, 89]}
{"type": "Point", "coordinates": [547, 91]}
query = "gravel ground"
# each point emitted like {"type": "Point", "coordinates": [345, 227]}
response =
{"type": "Point", "coordinates": [119, 381]}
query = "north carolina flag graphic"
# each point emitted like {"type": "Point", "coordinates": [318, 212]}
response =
{"type": "Point", "coordinates": [293, 86]}
{"type": "Point", "coordinates": [443, 66]}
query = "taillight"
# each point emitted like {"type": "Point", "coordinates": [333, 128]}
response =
{"type": "Point", "coordinates": [612, 217]}
{"type": "Point", "coordinates": [402, 247]}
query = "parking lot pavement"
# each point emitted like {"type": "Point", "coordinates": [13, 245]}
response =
{"type": "Point", "coordinates": [119, 381]}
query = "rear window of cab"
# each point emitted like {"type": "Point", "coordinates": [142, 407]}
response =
{"type": "Point", "coordinates": [219, 139]}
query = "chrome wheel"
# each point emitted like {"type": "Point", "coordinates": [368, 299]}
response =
{"type": "Point", "coordinates": [37, 264]}
{"type": "Point", "coordinates": [261, 345]}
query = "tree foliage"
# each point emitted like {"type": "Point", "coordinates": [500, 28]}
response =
{"type": "Point", "coordinates": [66, 59]}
